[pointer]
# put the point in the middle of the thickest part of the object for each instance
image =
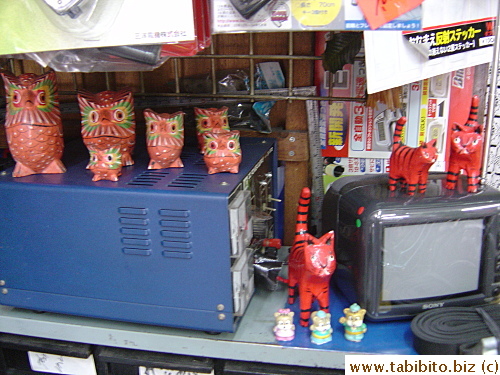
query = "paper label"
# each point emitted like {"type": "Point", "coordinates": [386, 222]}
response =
{"type": "Point", "coordinates": [316, 12]}
{"type": "Point", "coordinates": [60, 364]}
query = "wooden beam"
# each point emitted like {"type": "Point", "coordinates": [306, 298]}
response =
{"type": "Point", "coordinates": [296, 172]}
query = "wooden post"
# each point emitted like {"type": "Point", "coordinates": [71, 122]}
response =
{"type": "Point", "coordinates": [296, 171]}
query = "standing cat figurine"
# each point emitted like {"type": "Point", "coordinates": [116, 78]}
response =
{"type": "Point", "coordinates": [164, 139]}
{"type": "Point", "coordinates": [222, 151]}
{"type": "Point", "coordinates": [33, 123]}
{"type": "Point", "coordinates": [106, 164]}
{"type": "Point", "coordinates": [466, 151]}
{"type": "Point", "coordinates": [310, 265]}
{"type": "Point", "coordinates": [410, 165]}
{"type": "Point", "coordinates": [210, 120]}
{"type": "Point", "coordinates": [108, 121]}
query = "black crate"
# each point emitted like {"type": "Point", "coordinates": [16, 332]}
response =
{"type": "Point", "coordinates": [14, 352]}
{"type": "Point", "coordinates": [118, 361]}
{"type": "Point", "coordinates": [255, 368]}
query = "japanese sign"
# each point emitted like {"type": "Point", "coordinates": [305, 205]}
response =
{"type": "Point", "coordinates": [453, 39]}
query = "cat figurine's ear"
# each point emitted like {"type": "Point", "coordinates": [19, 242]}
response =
{"type": "Point", "coordinates": [327, 237]}
{"type": "Point", "coordinates": [431, 143]}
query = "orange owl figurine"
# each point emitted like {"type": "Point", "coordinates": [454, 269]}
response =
{"type": "Point", "coordinates": [164, 139]}
{"type": "Point", "coordinates": [108, 121]}
{"type": "Point", "coordinates": [222, 151]}
{"type": "Point", "coordinates": [210, 120]}
{"type": "Point", "coordinates": [106, 164]}
{"type": "Point", "coordinates": [33, 123]}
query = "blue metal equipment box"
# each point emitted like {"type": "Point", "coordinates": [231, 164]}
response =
{"type": "Point", "coordinates": [164, 247]}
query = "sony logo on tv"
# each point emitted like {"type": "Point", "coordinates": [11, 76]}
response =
{"type": "Point", "coordinates": [427, 306]}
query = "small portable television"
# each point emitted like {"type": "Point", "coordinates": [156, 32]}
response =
{"type": "Point", "coordinates": [399, 255]}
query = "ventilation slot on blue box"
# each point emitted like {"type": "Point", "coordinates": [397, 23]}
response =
{"type": "Point", "coordinates": [148, 178]}
{"type": "Point", "coordinates": [187, 181]}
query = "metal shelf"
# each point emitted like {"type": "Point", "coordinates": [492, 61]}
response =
{"type": "Point", "coordinates": [253, 340]}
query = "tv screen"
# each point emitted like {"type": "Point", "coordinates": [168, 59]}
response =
{"type": "Point", "coordinates": [431, 259]}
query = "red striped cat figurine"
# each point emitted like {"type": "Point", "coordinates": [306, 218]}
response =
{"type": "Point", "coordinates": [409, 166]}
{"type": "Point", "coordinates": [466, 151]}
{"type": "Point", "coordinates": [310, 265]}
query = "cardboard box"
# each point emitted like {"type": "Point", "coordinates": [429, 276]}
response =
{"type": "Point", "coordinates": [335, 168]}
{"type": "Point", "coordinates": [335, 116]}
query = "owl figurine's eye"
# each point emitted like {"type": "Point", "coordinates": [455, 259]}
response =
{"type": "Point", "coordinates": [231, 145]}
{"type": "Point", "coordinates": [93, 157]}
{"type": "Point", "coordinates": [152, 127]}
{"type": "Point", "coordinates": [205, 123]}
{"type": "Point", "coordinates": [94, 116]}
{"type": "Point", "coordinates": [41, 97]}
{"type": "Point", "coordinates": [109, 158]}
{"type": "Point", "coordinates": [16, 97]}
{"type": "Point", "coordinates": [173, 128]}
{"type": "Point", "coordinates": [213, 145]}
{"type": "Point", "coordinates": [119, 115]}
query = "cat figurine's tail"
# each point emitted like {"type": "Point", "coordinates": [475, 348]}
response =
{"type": "Point", "coordinates": [302, 217]}
{"type": "Point", "coordinates": [300, 239]}
{"type": "Point", "coordinates": [396, 139]}
{"type": "Point", "coordinates": [472, 120]}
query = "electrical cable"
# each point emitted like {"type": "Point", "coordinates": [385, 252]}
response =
{"type": "Point", "coordinates": [456, 330]}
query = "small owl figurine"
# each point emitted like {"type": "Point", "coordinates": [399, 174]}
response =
{"type": "Point", "coordinates": [108, 121]}
{"type": "Point", "coordinates": [210, 120]}
{"type": "Point", "coordinates": [106, 164]}
{"type": "Point", "coordinates": [222, 151]}
{"type": "Point", "coordinates": [33, 123]}
{"type": "Point", "coordinates": [164, 139]}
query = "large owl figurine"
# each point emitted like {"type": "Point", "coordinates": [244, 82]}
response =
{"type": "Point", "coordinates": [33, 123]}
{"type": "Point", "coordinates": [222, 151]}
{"type": "Point", "coordinates": [210, 120]}
{"type": "Point", "coordinates": [108, 121]}
{"type": "Point", "coordinates": [164, 139]}
{"type": "Point", "coordinates": [106, 164]}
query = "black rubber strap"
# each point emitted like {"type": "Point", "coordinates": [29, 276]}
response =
{"type": "Point", "coordinates": [490, 322]}
{"type": "Point", "coordinates": [445, 330]}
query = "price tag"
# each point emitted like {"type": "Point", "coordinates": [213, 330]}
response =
{"type": "Point", "coordinates": [59, 364]}
{"type": "Point", "coordinates": [158, 371]}
{"type": "Point", "coordinates": [379, 12]}
{"type": "Point", "coordinates": [316, 12]}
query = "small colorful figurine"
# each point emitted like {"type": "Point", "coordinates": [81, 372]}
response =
{"type": "Point", "coordinates": [164, 139]}
{"type": "Point", "coordinates": [321, 328]}
{"type": "Point", "coordinates": [222, 151]}
{"type": "Point", "coordinates": [210, 120]}
{"type": "Point", "coordinates": [106, 164]}
{"type": "Point", "coordinates": [284, 330]}
{"type": "Point", "coordinates": [33, 123]}
{"type": "Point", "coordinates": [466, 151]}
{"type": "Point", "coordinates": [108, 121]}
{"type": "Point", "coordinates": [410, 165]}
{"type": "Point", "coordinates": [354, 328]}
{"type": "Point", "coordinates": [311, 264]}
